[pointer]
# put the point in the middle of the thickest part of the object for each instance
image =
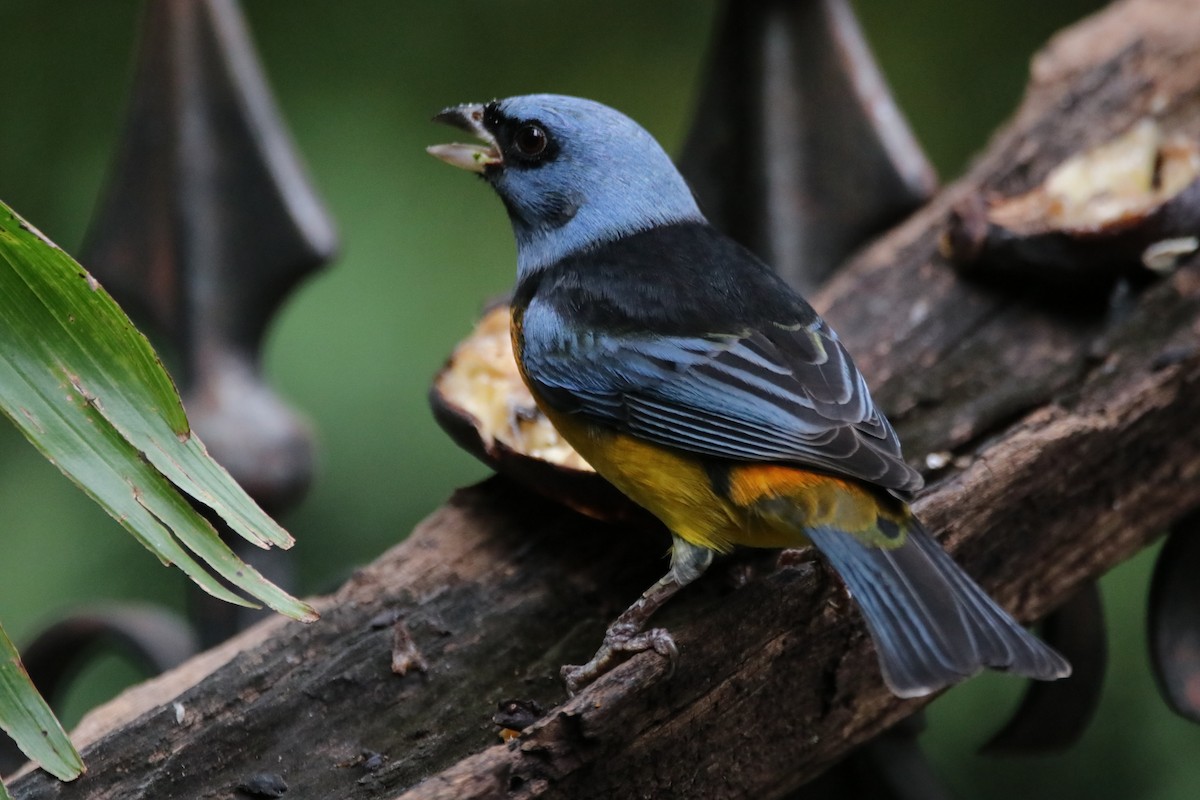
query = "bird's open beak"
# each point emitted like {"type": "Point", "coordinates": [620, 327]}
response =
{"type": "Point", "coordinates": [471, 157]}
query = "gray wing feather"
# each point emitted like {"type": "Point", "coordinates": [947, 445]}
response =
{"type": "Point", "coordinates": [789, 395]}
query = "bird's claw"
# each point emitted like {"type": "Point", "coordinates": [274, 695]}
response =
{"type": "Point", "coordinates": [618, 642]}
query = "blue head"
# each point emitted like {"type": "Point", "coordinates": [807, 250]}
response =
{"type": "Point", "coordinates": [572, 173]}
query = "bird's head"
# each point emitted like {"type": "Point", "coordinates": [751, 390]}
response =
{"type": "Point", "coordinates": [572, 173]}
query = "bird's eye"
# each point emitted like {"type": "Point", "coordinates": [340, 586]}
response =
{"type": "Point", "coordinates": [530, 140]}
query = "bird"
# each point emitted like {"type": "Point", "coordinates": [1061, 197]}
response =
{"type": "Point", "coordinates": [693, 378]}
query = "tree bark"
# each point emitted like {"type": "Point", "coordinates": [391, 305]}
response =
{"type": "Point", "coordinates": [1072, 434]}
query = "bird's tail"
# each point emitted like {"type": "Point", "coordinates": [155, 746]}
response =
{"type": "Point", "coordinates": [932, 625]}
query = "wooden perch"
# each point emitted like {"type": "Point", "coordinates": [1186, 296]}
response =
{"type": "Point", "coordinates": [1070, 429]}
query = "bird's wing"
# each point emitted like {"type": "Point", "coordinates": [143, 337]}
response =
{"type": "Point", "coordinates": [778, 393]}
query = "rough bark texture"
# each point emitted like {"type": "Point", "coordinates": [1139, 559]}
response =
{"type": "Point", "coordinates": [1074, 434]}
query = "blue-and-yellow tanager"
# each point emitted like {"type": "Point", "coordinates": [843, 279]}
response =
{"type": "Point", "coordinates": [695, 380]}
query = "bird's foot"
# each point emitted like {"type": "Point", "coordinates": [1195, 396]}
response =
{"type": "Point", "coordinates": [620, 640]}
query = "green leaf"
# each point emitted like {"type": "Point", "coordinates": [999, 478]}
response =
{"type": "Point", "coordinates": [27, 718]}
{"type": "Point", "coordinates": [87, 389]}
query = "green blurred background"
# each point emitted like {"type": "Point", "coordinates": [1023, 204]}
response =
{"type": "Point", "coordinates": [357, 345]}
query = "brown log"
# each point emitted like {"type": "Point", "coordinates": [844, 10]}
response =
{"type": "Point", "coordinates": [1073, 436]}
